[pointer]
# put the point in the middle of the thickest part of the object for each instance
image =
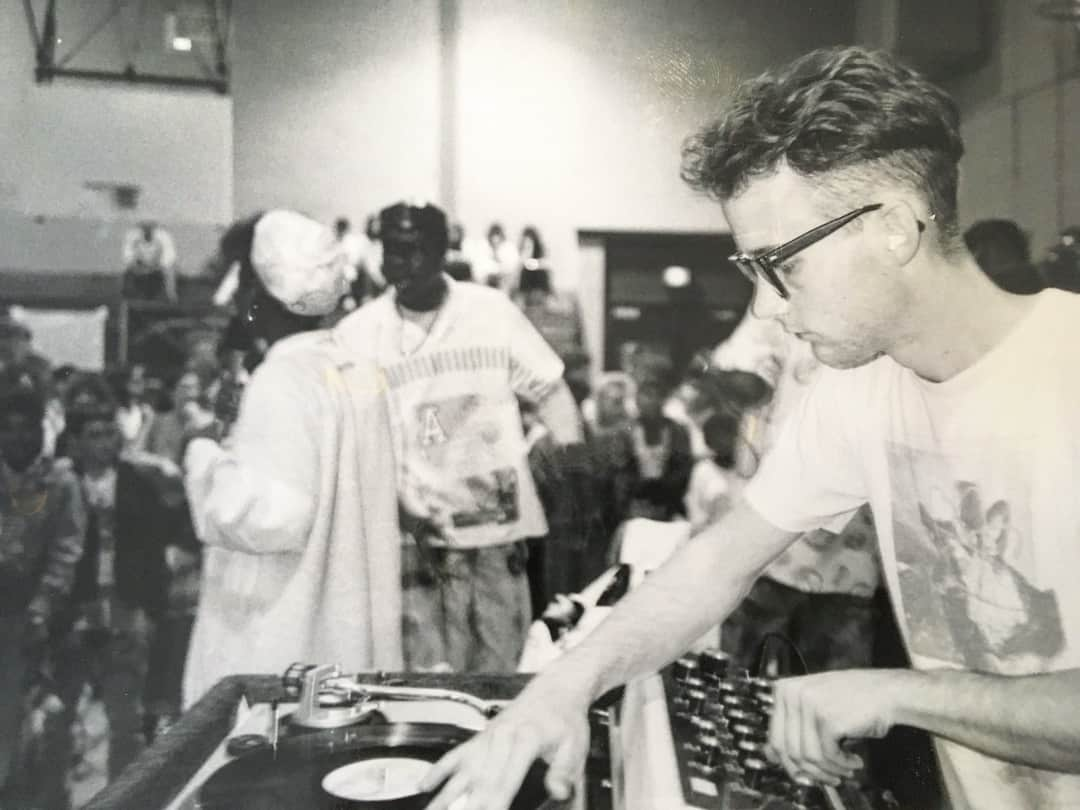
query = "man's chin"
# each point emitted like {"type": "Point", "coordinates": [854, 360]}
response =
{"type": "Point", "coordinates": [842, 357]}
{"type": "Point", "coordinates": [421, 296]}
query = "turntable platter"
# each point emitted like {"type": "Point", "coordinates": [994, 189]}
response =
{"type": "Point", "coordinates": [294, 775]}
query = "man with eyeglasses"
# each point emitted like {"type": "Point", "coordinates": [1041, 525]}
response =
{"type": "Point", "coordinates": [949, 406]}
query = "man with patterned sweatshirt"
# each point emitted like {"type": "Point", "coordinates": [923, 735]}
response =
{"type": "Point", "coordinates": [455, 357]}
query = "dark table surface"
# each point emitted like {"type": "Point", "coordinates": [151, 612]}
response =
{"type": "Point", "coordinates": [162, 770]}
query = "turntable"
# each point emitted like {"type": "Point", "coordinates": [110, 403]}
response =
{"type": "Point", "coordinates": [316, 738]}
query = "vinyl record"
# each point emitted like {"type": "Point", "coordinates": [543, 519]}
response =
{"type": "Point", "coordinates": [292, 777]}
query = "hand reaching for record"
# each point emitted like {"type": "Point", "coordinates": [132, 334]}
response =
{"type": "Point", "coordinates": [547, 721]}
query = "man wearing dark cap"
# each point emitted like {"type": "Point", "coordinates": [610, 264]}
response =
{"type": "Point", "coordinates": [455, 356]}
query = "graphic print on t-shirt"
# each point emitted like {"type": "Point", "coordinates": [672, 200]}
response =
{"type": "Point", "coordinates": [965, 564]}
{"type": "Point", "coordinates": [458, 437]}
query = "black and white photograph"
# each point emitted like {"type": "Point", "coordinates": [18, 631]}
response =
{"type": "Point", "coordinates": [539, 404]}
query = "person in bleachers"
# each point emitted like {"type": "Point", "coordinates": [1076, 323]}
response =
{"type": "Point", "coordinates": [1002, 251]}
{"type": "Point", "coordinates": [555, 315]}
{"type": "Point", "coordinates": [494, 259]}
{"type": "Point", "coordinates": [149, 256]}
{"type": "Point", "coordinates": [530, 247]}
{"type": "Point", "coordinates": [296, 509]}
{"type": "Point", "coordinates": [43, 527]}
{"type": "Point", "coordinates": [455, 357]}
{"type": "Point", "coordinates": [458, 265]}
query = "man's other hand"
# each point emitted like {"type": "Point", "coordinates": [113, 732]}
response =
{"type": "Point", "coordinates": [814, 715]}
{"type": "Point", "coordinates": [546, 722]}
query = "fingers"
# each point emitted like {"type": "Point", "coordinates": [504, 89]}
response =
{"type": "Point", "coordinates": [449, 797]}
{"type": "Point", "coordinates": [564, 770]}
{"type": "Point", "coordinates": [811, 759]}
{"type": "Point", "coordinates": [805, 734]}
{"type": "Point", "coordinates": [441, 770]}
{"type": "Point", "coordinates": [488, 769]}
{"type": "Point", "coordinates": [501, 785]}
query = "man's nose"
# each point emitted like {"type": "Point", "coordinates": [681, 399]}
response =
{"type": "Point", "coordinates": [767, 302]}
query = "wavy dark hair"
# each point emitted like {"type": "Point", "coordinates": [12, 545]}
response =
{"type": "Point", "coordinates": [854, 113]}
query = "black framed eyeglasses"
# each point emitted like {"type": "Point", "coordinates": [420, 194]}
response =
{"type": "Point", "coordinates": [764, 265]}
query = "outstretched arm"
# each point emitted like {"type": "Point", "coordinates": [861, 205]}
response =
{"type": "Point", "coordinates": [694, 590]}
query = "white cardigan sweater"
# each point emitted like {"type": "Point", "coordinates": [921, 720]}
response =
{"type": "Point", "coordinates": [299, 521]}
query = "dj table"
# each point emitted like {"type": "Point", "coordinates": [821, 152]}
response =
{"type": "Point", "coordinates": [322, 740]}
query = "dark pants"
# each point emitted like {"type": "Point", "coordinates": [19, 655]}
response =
{"type": "Point", "coordinates": [113, 660]}
{"type": "Point", "coordinates": [466, 608]}
{"type": "Point", "coordinates": [830, 631]}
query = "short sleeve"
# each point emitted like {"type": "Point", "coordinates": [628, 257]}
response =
{"type": "Point", "coordinates": [535, 368]}
{"type": "Point", "coordinates": [814, 476]}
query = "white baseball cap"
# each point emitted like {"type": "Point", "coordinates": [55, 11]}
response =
{"type": "Point", "coordinates": [299, 262]}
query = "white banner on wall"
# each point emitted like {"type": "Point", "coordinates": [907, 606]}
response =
{"type": "Point", "coordinates": [75, 336]}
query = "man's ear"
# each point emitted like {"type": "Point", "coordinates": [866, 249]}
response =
{"type": "Point", "coordinates": [903, 231]}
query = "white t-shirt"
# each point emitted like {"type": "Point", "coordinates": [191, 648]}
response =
{"type": "Point", "coordinates": [844, 561]}
{"type": "Point", "coordinates": [454, 412]}
{"type": "Point", "coordinates": [972, 486]}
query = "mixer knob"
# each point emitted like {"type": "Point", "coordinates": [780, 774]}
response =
{"type": "Point", "coordinates": [714, 664]}
{"type": "Point", "coordinates": [694, 682]}
{"type": "Point", "coordinates": [703, 726]}
{"type": "Point", "coordinates": [686, 667]}
{"type": "Point", "coordinates": [727, 742]}
{"type": "Point", "coordinates": [695, 701]}
{"type": "Point", "coordinates": [710, 754]}
{"type": "Point", "coordinates": [745, 731]}
{"type": "Point", "coordinates": [737, 716]}
{"type": "Point", "coordinates": [733, 703]}
{"type": "Point", "coordinates": [749, 748]}
{"type": "Point", "coordinates": [753, 773]}
{"type": "Point", "coordinates": [682, 696]}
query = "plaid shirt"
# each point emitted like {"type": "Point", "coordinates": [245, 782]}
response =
{"type": "Point", "coordinates": [42, 530]}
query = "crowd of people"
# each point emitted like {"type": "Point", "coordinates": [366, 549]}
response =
{"type": "Point", "coordinates": [398, 458]}
{"type": "Point", "coordinates": [197, 538]}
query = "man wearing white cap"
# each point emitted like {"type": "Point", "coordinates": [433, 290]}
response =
{"type": "Point", "coordinates": [455, 357]}
{"type": "Point", "coordinates": [301, 560]}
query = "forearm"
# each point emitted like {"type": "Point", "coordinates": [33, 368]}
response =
{"type": "Point", "coordinates": [559, 413]}
{"type": "Point", "coordinates": [695, 590]}
{"type": "Point", "coordinates": [1031, 720]}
